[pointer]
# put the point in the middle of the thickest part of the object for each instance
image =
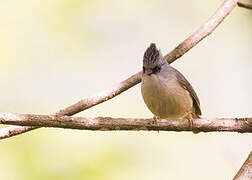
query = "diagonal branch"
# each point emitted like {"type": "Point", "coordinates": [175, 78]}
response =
{"type": "Point", "coordinates": [244, 5]}
{"type": "Point", "coordinates": [185, 46]}
{"type": "Point", "coordinates": [242, 125]}
{"type": "Point", "coordinates": [245, 172]}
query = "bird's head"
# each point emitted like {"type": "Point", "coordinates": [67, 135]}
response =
{"type": "Point", "coordinates": [153, 60]}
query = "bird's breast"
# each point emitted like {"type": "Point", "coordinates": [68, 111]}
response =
{"type": "Point", "coordinates": [165, 97]}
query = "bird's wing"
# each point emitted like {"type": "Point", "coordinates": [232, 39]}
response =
{"type": "Point", "coordinates": [186, 85]}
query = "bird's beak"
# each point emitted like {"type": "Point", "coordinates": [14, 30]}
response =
{"type": "Point", "coordinates": [149, 72]}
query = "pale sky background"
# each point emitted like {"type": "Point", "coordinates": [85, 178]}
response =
{"type": "Point", "coordinates": [55, 52]}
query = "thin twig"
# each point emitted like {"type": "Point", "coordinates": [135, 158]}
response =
{"type": "Point", "coordinates": [242, 125]}
{"type": "Point", "coordinates": [190, 42]}
{"type": "Point", "coordinates": [245, 172]}
{"type": "Point", "coordinates": [244, 5]}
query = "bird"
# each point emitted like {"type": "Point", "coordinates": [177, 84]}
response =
{"type": "Point", "coordinates": [165, 91]}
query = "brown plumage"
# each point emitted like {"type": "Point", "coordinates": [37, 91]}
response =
{"type": "Point", "coordinates": [165, 91]}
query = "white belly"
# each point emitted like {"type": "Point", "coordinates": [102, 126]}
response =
{"type": "Point", "coordinates": [165, 98]}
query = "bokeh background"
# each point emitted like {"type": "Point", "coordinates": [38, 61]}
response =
{"type": "Point", "coordinates": [55, 52]}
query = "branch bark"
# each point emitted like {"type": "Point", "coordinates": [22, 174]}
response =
{"type": "Point", "coordinates": [242, 125]}
{"type": "Point", "coordinates": [244, 5]}
{"type": "Point", "coordinates": [181, 49]}
{"type": "Point", "coordinates": [245, 172]}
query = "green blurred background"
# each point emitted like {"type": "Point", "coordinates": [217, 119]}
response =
{"type": "Point", "coordinates": [56, 52]}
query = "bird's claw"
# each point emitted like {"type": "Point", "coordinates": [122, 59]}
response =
{"type": "Point", "coordinates": [190, 119]}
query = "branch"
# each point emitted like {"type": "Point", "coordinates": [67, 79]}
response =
{"type": "Point", "coordinates": [245, 173]}
{"type": "Point", "coordinates": [244, 5]}
{"type": "Point", "coordinates": [242, 125]}
{"type": "Point", "coordinates": [185, 46]}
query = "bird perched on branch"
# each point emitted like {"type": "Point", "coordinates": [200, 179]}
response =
{"type": "Point", "coordinates": [165, 91]}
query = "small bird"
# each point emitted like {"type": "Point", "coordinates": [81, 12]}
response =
{"type": "Point", "coordinates": [165, 91]}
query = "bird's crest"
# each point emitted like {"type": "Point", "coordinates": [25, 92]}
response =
{"type": "Point", "coordinates": [152, 53]}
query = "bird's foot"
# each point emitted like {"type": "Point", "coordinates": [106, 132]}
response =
{"type": "Point", "coordinates": [155, 118]}
{"type": "Point", "coordinates": [190, 119]}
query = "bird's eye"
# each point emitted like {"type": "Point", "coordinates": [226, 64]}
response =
{"type": "Point", "coordinates": [156, 69]}
{"type": "Point", "coordinates": [143, 69]}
